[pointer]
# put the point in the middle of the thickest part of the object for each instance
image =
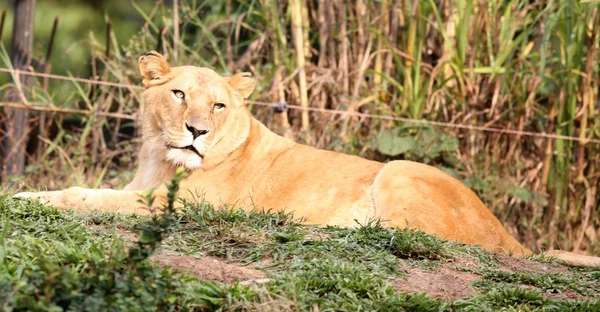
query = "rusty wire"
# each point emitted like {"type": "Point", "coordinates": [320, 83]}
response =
{"type": "Point", "coordinates": [291, 106]}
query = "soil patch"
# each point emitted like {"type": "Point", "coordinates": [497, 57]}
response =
{"type": "Point", "coordinates": [127, 236]}
{"type": "Point", "coordinates": [463, 262]}
{"type": "Point", "coordinates": [511, 264]}
{"type": "Point", "coordinates": [445, 282]}
{"type": "Point", "coordinates": [208, 268]}
{"type": "Point", "coordinates": [568, 295]}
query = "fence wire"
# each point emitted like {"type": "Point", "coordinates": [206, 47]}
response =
{"type": "Point", "coordinates": [476, 128]}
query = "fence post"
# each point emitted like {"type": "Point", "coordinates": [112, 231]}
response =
{"type": "Point", "coordinates": [17, 127]}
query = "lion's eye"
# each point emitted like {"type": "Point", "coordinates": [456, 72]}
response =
{"type": "Point", "coordinates": [179, 94]}
{"type": "Point", "coordinates": [219, 106]}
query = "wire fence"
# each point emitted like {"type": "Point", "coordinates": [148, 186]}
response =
{"type": "Point", "coordinates": [132, 87]}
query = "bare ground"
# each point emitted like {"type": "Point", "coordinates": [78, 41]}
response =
{"type": "Point", "coordinates": [208, 268]}
{"type": "Point", "coordinates": [451, 283]}
{"type": "Point", "coordinates": [511, 264]}
{"type": "Point", "coordinates": [446, 282]}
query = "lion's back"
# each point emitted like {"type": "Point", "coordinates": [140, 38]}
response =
{"type": "Point", "coordinates": [318, 183]}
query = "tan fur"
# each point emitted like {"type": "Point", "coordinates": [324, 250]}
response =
{"type": "Point", "coordinates": [238, 161]}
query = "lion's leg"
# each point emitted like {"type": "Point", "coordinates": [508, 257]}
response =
{"type": "Point", "coordinates": [79, 198]}
{"type": "Point", "coordinates": [409, 194]}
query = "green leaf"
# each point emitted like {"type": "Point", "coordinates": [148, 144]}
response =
{"type": "Point", "coordinates": [147, 238]}
{"type": "Point", "coordinates": [448, 143]}
{"type": "Point", "coordinates": [385, 142]}
{"type": "Point", "coordinates": [521, 193]}
{"type": "Point", "coordinates": [391, 144]}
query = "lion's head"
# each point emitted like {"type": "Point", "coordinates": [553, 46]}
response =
{"type": "Point", "coordinates": [190, 110]}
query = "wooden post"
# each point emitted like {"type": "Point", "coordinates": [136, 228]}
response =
{"type": "Point", "coordinates": [17, 128]}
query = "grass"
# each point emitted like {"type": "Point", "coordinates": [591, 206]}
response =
{"type": "Point", "coordinates": [63, 260]}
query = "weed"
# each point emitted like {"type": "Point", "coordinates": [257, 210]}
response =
{"type": "Point", "coordinates": [403, 243]}
{"type": "Point", "coordinates": [153, 233]}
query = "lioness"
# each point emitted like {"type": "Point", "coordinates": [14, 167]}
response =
{"type": "Point", "coordinates": [195, 118]}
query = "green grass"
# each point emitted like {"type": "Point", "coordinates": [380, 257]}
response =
{"type": "Point", "coordinates": [53, 261]}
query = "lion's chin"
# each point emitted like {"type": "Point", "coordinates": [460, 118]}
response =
{"type": "Point", "coordinates": [185, 158]}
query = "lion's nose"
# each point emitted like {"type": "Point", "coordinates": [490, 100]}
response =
{"type": "Point", "coordinates": [195, 131]}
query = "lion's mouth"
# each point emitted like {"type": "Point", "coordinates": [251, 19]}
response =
{"type": "Point", "coordinates": [190, 148]}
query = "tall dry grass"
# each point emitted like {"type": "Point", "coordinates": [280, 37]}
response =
{"type": "Point", "coordinates": [507, 64]}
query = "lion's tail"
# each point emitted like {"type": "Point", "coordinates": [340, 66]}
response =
{"type": "Point", "coordinates": [573, 259]}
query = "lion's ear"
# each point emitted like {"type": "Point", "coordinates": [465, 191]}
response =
{"type": "Point", "coordinates": [154, 68]}
{"type": "Point", "coordinates": [242, 83]}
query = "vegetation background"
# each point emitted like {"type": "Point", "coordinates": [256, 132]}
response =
{"type": "Point", "coordinates": [522, 65]}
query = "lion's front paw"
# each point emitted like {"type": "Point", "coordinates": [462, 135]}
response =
{"type": "Point", "coordinates": [65, 199]}
{"type": "Point", "coordinates": [41, 196]}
